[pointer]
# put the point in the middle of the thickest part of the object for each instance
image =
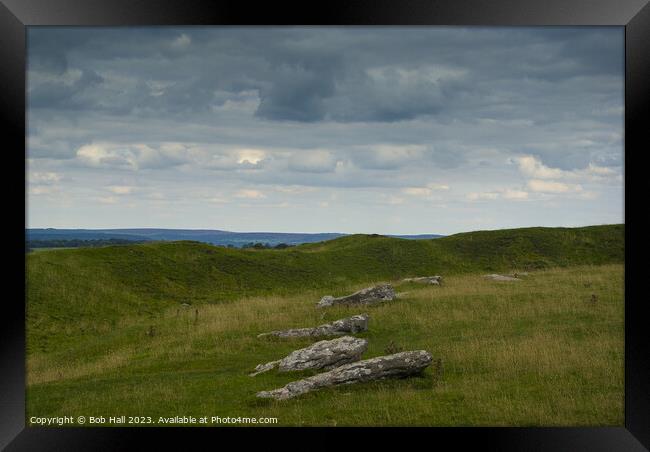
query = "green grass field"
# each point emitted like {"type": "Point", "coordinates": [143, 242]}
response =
{"type": "Point", "coordinates": [107, 334]}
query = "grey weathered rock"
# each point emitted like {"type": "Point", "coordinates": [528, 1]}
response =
{"type": "Point", "coordinates": [399, 365]}
{"type": "Point", "coordinates": [433, 280]}
{"type": "Point", "coordinates": [354, 324]}
{"type": "Point", "coordinates": [369, 295]}
{"type": "Point", "coordinates": [496, 277]}
{"type": "Point", "coordinates": [321, 355]}
{"type": "Point", "coordinates": [261, 368]}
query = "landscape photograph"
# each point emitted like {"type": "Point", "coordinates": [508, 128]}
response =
{"type": "Point", "coordinates": [324, 226]}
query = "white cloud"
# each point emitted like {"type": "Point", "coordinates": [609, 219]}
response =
{"type": "Point", "coordinates": [546, 186]}
{"type": "Point", "coordinates": [155, 196]}
{"type": "Point", "coordinates": [250, 194]}
{"type": "Point", "coordinates": [217, 200]}
{"type": "Point", "coordinates": [426, 191]}
{"type": "Point", "coordinates": [387, 157]}
{"type": "Point", "coordinates": [505, 193]}
{"type": "Point", "coordinates": [589, 195]}
{"type": "Point", "coordinates": [147, 157]}
{"type": "Point", "coordinates": [403, 76]}
{"type": "Point", "coordinates": [531, 166]}
{"type": "Point", "coordinates": [181, 42]}
{"type": "Point", "coordinates": [477, 196]}
{"type": "Point", "coordinates": [601, 172]}
{"type": "Point", "coordinates": [43, 190]}
{"type": "Point", "coordinates": [108, 199]}
{"type": "Point", "coordinates": [534, 168]}
{"type": "Point", "coordinates": [120, 189]}
{"type": "Point", "coordinates": [293, 189]}
{"type": "Point", "coordinates": [216, 157]}
{"type": "Point", "coordinates": [318, 161]}
{"type": "Point", "coordinates": [102, 155]}
{"type": "Point", "coordinates": [131, 156]}
{"type": "Point", "coordinates": [392, 200]}
{"type": "Point", "coordinates": [211, 161]}
{"type": "Point", "coordinates": [515, 194]}
{"type": "Point", "coordinates": [434, 186]}
{"type": "Point", "coordinates": [417, 191]}
{"type": "Point", "coordinates": [252, 156]}
{"type": "Point", "coordinates": [44, 178]}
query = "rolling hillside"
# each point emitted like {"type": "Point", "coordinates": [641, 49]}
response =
{"type": "Point", "coordinates": [211, 236]}
{"type": "Point", "coordinates": [108, 331]}
{"type": "Point", "coordinates": [96, 287]}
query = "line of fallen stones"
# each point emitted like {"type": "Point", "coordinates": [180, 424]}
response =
{"type": "Point", "coordinates": [511, 277]}
{"type": "Point", "coordinates": [341, 357]}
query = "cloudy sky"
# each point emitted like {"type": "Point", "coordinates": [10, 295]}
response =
{"type": "Point", "coordinates": [366, 129]}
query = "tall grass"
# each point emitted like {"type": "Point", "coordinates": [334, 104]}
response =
{"type": "Point", "coordinates": [80, 293]}
{"type": "Point", "coordinates": [535, 352]}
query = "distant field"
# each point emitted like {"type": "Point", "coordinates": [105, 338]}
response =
{"type": "Point", "coordinates": [536, 352]}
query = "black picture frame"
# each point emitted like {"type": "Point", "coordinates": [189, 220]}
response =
{"type": "Point", "coordinates": [634, 15]}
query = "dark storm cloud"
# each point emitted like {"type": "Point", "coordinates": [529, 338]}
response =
{"type": "Point", "coordinates": [309, 75]}
{"type": "Point", "coordinates": [297, 94]}
{"type": "Point", "coordinates": [65, 94]}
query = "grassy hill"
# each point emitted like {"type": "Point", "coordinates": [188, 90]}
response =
{"type": "Point", "coordinates": [79, 292]}
{"type": "Point", "coordinates": [107, 332]}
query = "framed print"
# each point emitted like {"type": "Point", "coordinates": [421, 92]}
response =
{"type": "Point", "coordinates": [361, 214]}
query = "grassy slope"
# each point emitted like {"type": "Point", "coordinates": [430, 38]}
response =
{"type": "Point", "coordinates": [536, 352]}
{"type": "Point", "coordinates": [86, 291]}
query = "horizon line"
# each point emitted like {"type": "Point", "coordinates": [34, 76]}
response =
{"type": "Point", "coordinates": [314, 233]}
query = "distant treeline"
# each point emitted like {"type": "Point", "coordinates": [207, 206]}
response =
{"type": "Point", "coordinates": [76, 243]}
{"type": "Point", "coordinates": [260, 246]}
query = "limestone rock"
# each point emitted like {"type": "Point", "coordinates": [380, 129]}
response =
{"type": "Point", "coordinates": [369, 295]}
{"type": "Point", "coordinates": [261, 368]}
{"type": "Point", "coordinates": [321, 355]}
{"type": "Point", "coordinates": [398, 365]}
{"type": "Point", "coordinates": [496, 277]}
{"type": "Point", "coordinates": [432, 280]}
{"type": "Point", "coordinates": [354, 324]}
